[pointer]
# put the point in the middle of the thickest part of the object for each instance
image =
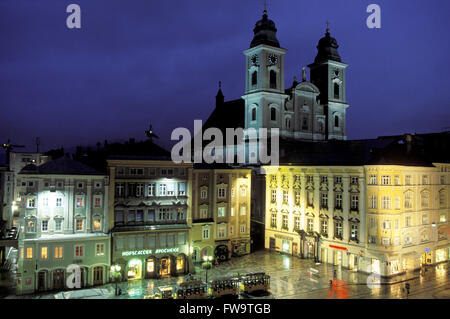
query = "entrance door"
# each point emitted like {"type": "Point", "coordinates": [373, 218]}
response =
{"type": "Point", "coordinates": [338, 258]}
{"type": "Point", "coordinates": [353, 262]}
{"type": "Point", "coordinates": [294, 248]}
{"type": "Point", "coordinates": [98, 275]}
{"type": "Point", "coordinates": [164, 267]}
{"type": "Point", "coordinates": [58, 279]}
{"type": "Point", "coordinates": [427, 258]}
{"type": "Point", "coordinates": [41, 281]}
{"type": "Point", "coordinates": [272, 243]}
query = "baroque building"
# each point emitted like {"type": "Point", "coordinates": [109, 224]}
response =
{"type": "Point", "coordinates": [63, 221]}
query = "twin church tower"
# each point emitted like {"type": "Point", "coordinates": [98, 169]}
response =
{"type": "Point", "coordinates": [307, 111]}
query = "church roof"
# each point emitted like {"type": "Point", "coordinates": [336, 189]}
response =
{"type": "Point", "coordinates": [265, 32]}
{"type": "Point", "coordinates": [327, 49]}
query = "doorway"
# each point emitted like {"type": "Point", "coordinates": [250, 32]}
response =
{"type": "Point", "coordinates": [338, 258]}
{"type": "Point", "coordinates": [164, 269]}
{"type": "Point", "coordinates": [98, 275]}
{"type": "Point", "coordinates": [58, 279]}
{"type": "Point", "coordinates": [41, 281]}
{"type": "Point", "coordinates": [353, 262]}
{"type": "Point", "coordinates": [272, 243]}
{"type": "Point", "coordinates": [427, 258]}
{"type": "Point", "coordinates": [294, 248]}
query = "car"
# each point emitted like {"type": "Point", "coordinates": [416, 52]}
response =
{"type": "Point", "coordinates": [94, 293]}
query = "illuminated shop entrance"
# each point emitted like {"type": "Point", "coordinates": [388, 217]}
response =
{"type": "Point", "coordinates": [134, 269]}
{"type": "Point", "coordinates": [353, 262]}
{"type": "Point", "coordinates": [164, 268]}
{"type": "Point", "coordinates": [427, 258]}
{"type": "Point", "coordinates": [440, 255]}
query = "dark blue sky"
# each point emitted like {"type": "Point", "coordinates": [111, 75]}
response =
{"type": "Point", "coordinates": [141, 61]}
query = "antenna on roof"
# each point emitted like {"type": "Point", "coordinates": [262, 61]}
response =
{"type": "Point", "coordinates": [150, 134]}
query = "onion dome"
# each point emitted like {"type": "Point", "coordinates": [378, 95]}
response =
{"type": "Point", "coordinates": [327, 49]}
{"type": "Point", "coordinates": [265, 32]}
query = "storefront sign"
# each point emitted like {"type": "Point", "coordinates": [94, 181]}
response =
{"type": "Point", "coordinates": [338, 247]}
{"type": "Point", "coordinates": [137, 252]}
{"type": "Point", "coordinates": [284, 237]}
{"type": "Point", "coordinates": [167, 250]}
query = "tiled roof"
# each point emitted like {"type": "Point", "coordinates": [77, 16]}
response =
{"type": "Point", "coordinates": [60, 166]}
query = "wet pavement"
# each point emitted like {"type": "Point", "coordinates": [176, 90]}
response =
{"type": "Point", "coordinates": [292, 278]}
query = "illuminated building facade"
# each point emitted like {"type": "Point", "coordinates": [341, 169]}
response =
{"type": "Point", "coordinates": [63, 220]}
{"type": "Point", "coordinates": [371, 205]}
{"type": "Point", "coordinates": [221, 212]}
{"type": "Point", "coordinates": [150, 216]}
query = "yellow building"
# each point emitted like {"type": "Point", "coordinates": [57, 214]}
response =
{"type": "Point", "coordinates": [220, 212]}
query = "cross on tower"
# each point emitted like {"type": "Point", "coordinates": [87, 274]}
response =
{"type": "Point", "coordinates": [265, 6]}
{"type": "Point", "coordinates": [328, 26]}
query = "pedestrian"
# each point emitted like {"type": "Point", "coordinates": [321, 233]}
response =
{"type": "Point", "coordinates": [334, 274]}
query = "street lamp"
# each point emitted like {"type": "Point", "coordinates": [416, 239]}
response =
{"type": "Point", "coordinates": [207, 265]}
{"type": "Point", "coordinates": [116, 275]}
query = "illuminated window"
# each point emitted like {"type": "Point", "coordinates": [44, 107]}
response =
{"type": "Point", "coordinates": [424, 219]}
{"type": "Point", "coordinates": [180, 263]}
{"type": "Point", "coordinates": [386, 224]}
{"type": "Point", "coordinates": [29, 254]}
{"type": "Point", "coordinates": [44, 252]}
{"type": "Point", "coordinates": [385, 180]}
{"type": "Point", "coordinates": [425, 199]}
{"type": "Point", "coordinates": [338, 229]}
{"type": "Point", "coordinates": [285, 224]}
{"type": "Point", "coordinates": [386, 202]}
{"type": "Point", "coordinates": [151, 189]}
{"type": "Point", "coordinates": [204, 194]}
{"type": "Point", "coordinates": [150, 265]}
{"type": "Point", "coordinates": [310, 224]}
{"type": "Point", "coordinates": [408, 200]}
{"type": "Point", "coordinates": [203, 213]}
{"type": "Point", "coordinates": [425, 179]}
{"type": "Point", "coordinates": [442, 199]}
{"type": "Point", "coordinates": [296, 223]}
{"type": "Point", "coordinates": [221, 211]}
{"type": "Point", "coordinates": [373, 202]}
{"type": "Point", "coordinates": [338, 201]}
{"type": "Point", "coordinates": [31, 225]}
{"type": "Point", "coordinates": [274, 196]}
{"type": "Point", "coordinates": [285, 197]}
{"type": "Point", "coordinates": [243, 210]}
{"type": "Point", "coordinates": [243, 191]}
{"type": "Point", "coordinates": [181, 189]}
{"type": "Point", "coordinates": [99, 249]}
{"type": "Point", "coordinates": [79, 251]}
{"type": "Point", "coordinates": [443, 218]}
{"type": "Point", "coordinates": [79, 224]}
{"type": "Point", "coordinates": [221, 231]}
{"type": "Point", "coordinates": [297, 198]}
{"type": "Point", "coordinates": [58, 252]}
{"type": "Point", "coordinates": [21, 253]}
{"type": "Point", "coordinates": [324, 226]}
{"type": "Point", "coordinates": [273, 220]}
{"type": "Point", "coordinates": [80, 201]}
{"type": "Point", "coordinates": [97, 224]}
{"type": "Point", "coordinates": [59, 202]}
{"type": "Point", "coordinates": [373, 223]}
{"type": "Point", "coordinates": [97, 201]}
{"type": "Point", "coordinates": [242, 228]}
{"type": "Point", "coordinates": [372, 179]}
{"type": "Point", "coordinates": [31, 202]}
{"type": "Point", "coordinates": [162, 189]}
{"type": "Point", "coordinates": [354, 231]}
{"type": "Point", "coordinates": [385, 241]}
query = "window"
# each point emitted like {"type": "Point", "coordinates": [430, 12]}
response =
{"type": "Point", "coordinates": [170, 189]}
{"type": "Point", "coordinates": [203, 213]}
{"type": "Point", "coordinates": [372, 179]}
{"type": "Point", "coordinates": [139, 216]}
{"type": "Point", "coordinates": [396, 202]}
{"type": "Point", "coordinates": [424, 219]}
{"type": "Point", "coordinates": [442, 180]}
{"type": "Point", "coordinates": [242, 228]}
{"type": "Point", "coordinates": [386, 241]}
{"type": "Point", "coordinates": [99, 249]}
{"type": "Point", "coordinates": [139, 190]}
{"type": "Point", "coordinates": [221, 211]}
{"type": "Point", "coordinates": [408, 200]}
{"type": "Point", "coordinates": [336, 121]}
{"type": "Point", "coordinates": [152, 241]}
{"type": "Point", "coordinates": [59, 202]}
{"type": "Point", "coordinates": [79, 251]}
{"type": "Point", "coordinates": [181, 189]}
{"type": "Point", "coordinates": [273, 79]}
{"type": "Point", "coordinates": [338, 202]}
{"type": "Point", "coordinates": [408, 180]}
{"type": "Point", "coordinates": [118, 217]}
{"type": "Point", "coordinates": [151, 215]}
{"type": "Point", "coordinates": [58, 252]}
{"type": "Point", "coordinates": [442, 199]}
{"type": "Point", "coordinates": [324, 200]}
{"type": "Point", "coordinates": [44, 225]}
{"type": "Point", "coordinates": [29, 251]}
{"type": "Point", "coordinates": [373, 240]}
{"type": "Point", "coordinates": [181, 238]}
{"type": "Point", "coordinates": [338, 229]}
{"type": "Point", "coordinates": [162, 189]}
{"type": "Point", "coordinates": [373, 202]}
{"type": "Point", "coordinates": [386, 224]}
{"type": "Point", "coordinates": [274, 196]}
{"type": "Point", "coordinates": [31, 202]}
{"type": "Point", "coordinates": [296, 223]}
{"type": "Point", "coordinates": [80, 185]}
{"type": "Point", "coordinates": [140, 242]}
{"type": "Point", "coordinates": [205, 233]}
{"type": "Point", "coordinates": [273, 114]}
{"type": "Point", "coordinates": [324, 179]}
{"type": "Point", "coordinates": [254, 114]}
{"type": "Point", "coordinates": [221, 192]}
{"type": "Point", "coordinates": [273, 220]}
{"type": "Point", "coordinates": [425, 199]}
{"type": "Point", "coordinates": [285, 197]}
{"type": "Point", "coordinates": [151, 189]}
{"type": "Point", "coordinates": [336, 92]}
{"type": "Point", "coordinates": [310, 224]}
{"type": "Point", "coordinates": [97, 201]}
{"type": "Point", "coordinates": [45, 202]}
{"type": "Point", "coordinates": [408, 221]}
{"type": "Point", "coordinates": [79, 224]}
{"type": "Point", "coordinates": [221, 231]}
{"type": "Point", "coordinates": [119, 243]}
{"type": "Point", "coordinates": [97, 225]}
{"type": "Point", "coordinates": [80, 201]}
{"type": "Point", "coordinates": [338, 180]}
{"type": "Point", "coordinates": [386, 202]}
{"type": "Point", "coordinates": [297, 198]}
{"type": "Point", "coordinates": [305, 122]}
{"type": "Point", "coordinates": [324, 226]}
{"type": "Point", "coordinates": [254, 78]}
{"type": "Point", "coordinates": [203, 193]}
{"type": "Point", "coordinates": [243, 210]}
{"type": "Point", "coordinates": [354, 180]}
{"type": "Point", "coordinates": [355, 202]}
{"type": "Point", "coordinates": [443, 218]}
{"type": "Point", "coordinates": [354, 231]}
{"type": "Point", "coordinates": [397, 224]}
{"type": "Point", "coordinates": [385, 180]}
{"type": "Point", "coordinates": [425, 179]}
{"type": "Point", "coordinates": [243, 191]}
{"type": "Point", "coordinates": [120, 189]}
{"type": "Point", "coordinates": [284, 223]}
{"type": "Point", "coordinates": [31, 225]}
{"type": "Point", "coordinates": [396, 180]}
{"type": "Point", "coordinates": [58, 224]}
{"type": "Point", "coordinates": [373, 223]}
{"type": "Point", "coordinates": [44, 251]}
{"type": "Point", "coordinates": [408, 240]}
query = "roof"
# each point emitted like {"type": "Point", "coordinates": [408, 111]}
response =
{"type": "Point", "coordinates": [60, 166]}
{"type": "Point", "coordinates": [265, 33]}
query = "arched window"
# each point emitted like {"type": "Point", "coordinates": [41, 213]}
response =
{"type": "Point", "coordinates": [336, 121]}
{"type": "Point", "coordinates": [273, 79]}
{"type": "Point", "coordinates": [336, 90]}
{"type": "Point", "coordinates": [254, 114]}
{"type": "Point", "coordinates": [273, 114]}
{"type": "Point", "coordinates": [254, 78]}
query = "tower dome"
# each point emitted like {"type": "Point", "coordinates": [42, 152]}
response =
{"type": "Point", "coordinates": [327, 49]}
{"type": "Point", "coordinates": [265, 32]}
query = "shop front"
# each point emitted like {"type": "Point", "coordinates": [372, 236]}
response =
{"type": "Point", "coordinates": [240, 247]}
{"type": "Point", "coordinates": [442, 255]}
{"type": "Point", "coordinates": [309, 244]}
{"type": "Point", "coordinates": [427, 257]}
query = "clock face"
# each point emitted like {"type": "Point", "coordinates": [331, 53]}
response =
{"type": "Point", "coordinates": [273, 59]}
{"type": "Point", "coordinates": [254, 60]}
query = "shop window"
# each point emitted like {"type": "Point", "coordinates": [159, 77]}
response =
{"type": "Point", "coordinates": [180, 262]}
{"type": "Point", "coordinates": [97, 224]}
{"type": "Point", "coordinates": [134, 269]}
{"type": "Point", "coordinates": [44, 251]}
{"type": "Point", "coordinates": [150, 265]}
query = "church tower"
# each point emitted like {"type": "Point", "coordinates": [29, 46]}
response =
{"type": "Point", "coordinates": [264, 92]}
{"type": "Point", "coordinates": [328, 74]}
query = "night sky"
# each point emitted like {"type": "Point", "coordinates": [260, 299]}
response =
{"type": "Point", "coordinates": [143, 61]}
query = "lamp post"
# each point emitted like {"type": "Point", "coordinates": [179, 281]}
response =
{"type": "Point", "coordinates": [115, 273]}
{"type": "Point", "coordinates": [207, 265]}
